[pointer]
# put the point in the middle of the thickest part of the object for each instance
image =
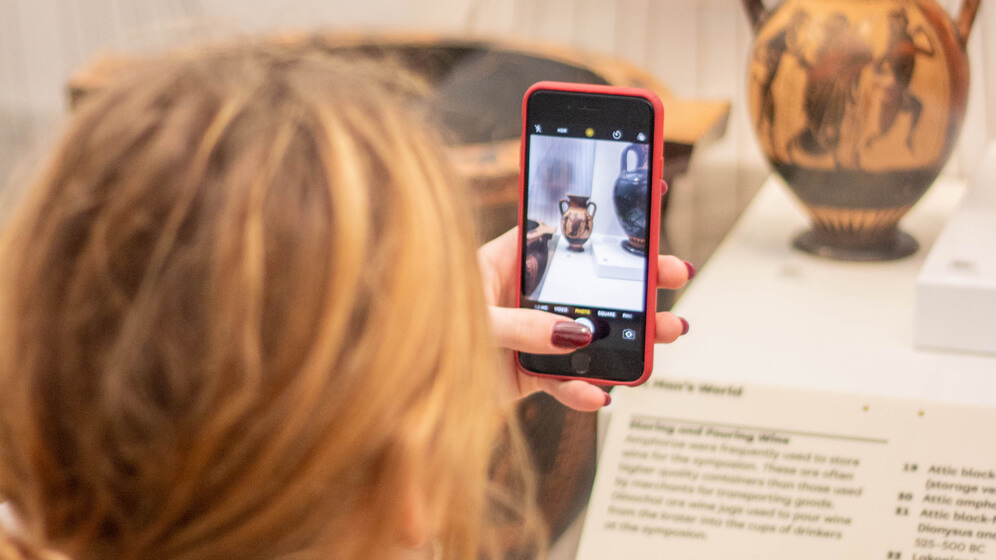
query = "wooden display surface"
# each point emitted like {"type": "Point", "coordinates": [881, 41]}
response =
{"type": "Point", "coordinates": [482, 81]}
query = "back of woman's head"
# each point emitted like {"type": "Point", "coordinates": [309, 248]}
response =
{"type": "Point", "coordinates": [240, 318]}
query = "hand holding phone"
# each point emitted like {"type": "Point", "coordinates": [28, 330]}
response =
{"type": "Point", "coordinates": [592, 158]}
{"type": "Point", "coordinates": [527, 330]}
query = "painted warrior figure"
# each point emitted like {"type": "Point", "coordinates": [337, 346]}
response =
{"type": "Point", "coordinates": [832, 81]}
{"type": "Point", "coordinates": [894, 71]}
{"type": "Point", "coordinates": [785, 42]}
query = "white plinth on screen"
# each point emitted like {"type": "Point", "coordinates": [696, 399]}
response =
{"type": "Point", "coordinates": [571, 279]}
{"type": "Point", "coordinates": [612, 261]}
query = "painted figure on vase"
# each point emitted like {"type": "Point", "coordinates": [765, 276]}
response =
{"type": "Point", "coordinates": [784, 42]}
{"type": "Point", "coordinates": [858, 105]}
{"type": "Point", "coordinates": [894, 73]}
{"type": "Point", "coordinates": [832, 81]}
{"type": "Point", "coordinates": [577, 220]}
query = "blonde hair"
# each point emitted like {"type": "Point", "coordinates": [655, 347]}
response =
{"type": "Point", "coordinates": [239, 309]}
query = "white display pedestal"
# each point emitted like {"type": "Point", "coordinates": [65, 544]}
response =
{"type": "Point", "coordinates": [762, 312]}
{"type": "Point", "coordinates": [572, 278]}
{"type": "Point", "coordinates": [956, 288]}
{"type": "Point", "coordinates": [612, 261]}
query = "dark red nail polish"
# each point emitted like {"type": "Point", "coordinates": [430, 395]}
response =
{"type": "Point", "coordinates": [684, 325]}
{"type": "Point", "coordinates": [691, 270]}
{"type": "Point", "coordinates": [568, 334]}
{"type": "Point", "coordinates": [608, 399]}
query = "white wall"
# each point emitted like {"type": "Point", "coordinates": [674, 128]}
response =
{"type": "Point", "coordinates": [980, 121]}
{"type": "Point", "coordinates": [987, 48]}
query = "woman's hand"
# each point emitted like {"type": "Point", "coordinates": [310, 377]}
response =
{"type": "Point", "coordinates": [538, 332]}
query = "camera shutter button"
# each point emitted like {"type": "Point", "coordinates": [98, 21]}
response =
{"type": "Point", "coordinates": [586, 322]}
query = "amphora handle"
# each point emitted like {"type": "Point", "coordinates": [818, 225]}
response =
{"type": "Point", "coordinates": [591, 207]}
{"type": "Point", "coordinates": [641, 159]}
{"type": "Point", "coordinates": [756, 12]}
{"type": "Point", "coordinates": [966, 17]}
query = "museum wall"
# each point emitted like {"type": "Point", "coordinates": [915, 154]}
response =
{"type": "Point", "coordinates": [698, 47]}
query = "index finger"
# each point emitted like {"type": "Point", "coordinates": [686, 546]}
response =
{"type": "Point", "coordinates": [537, 332]}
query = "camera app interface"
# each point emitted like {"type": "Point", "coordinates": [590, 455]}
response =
{"type": "Point", "coordinates": [586, 228]}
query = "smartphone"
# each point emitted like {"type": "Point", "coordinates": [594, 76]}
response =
{"type": "Point", "coordinates": [589, 220]}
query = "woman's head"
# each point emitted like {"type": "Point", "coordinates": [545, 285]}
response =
{"type": "Point", "coordinates": [240, 317]}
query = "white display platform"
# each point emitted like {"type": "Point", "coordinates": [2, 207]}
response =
{"type": "Point", "coordinates": [612, 261]}
{"type": "Point", "coordinates": [956, 289]}
{"type": "Point", "coordinates": [572, 279]}
{"type": "Point", "coordinates": [762, 312]}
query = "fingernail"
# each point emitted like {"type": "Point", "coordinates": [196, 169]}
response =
{"type": "Point", "coordinates": [691, 270]}
{"type": "Point", "coordinates": [568, 334]}
{"type": "Point", "coordinates": [684, 325]}
{"type": "Point", "coordinates": [608, 399]}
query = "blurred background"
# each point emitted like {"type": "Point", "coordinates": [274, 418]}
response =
{"type": "Point", "coordinates": [698, 48]}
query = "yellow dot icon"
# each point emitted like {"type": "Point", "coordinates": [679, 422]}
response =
{"type": "Point", "coordinates": [589, 132]}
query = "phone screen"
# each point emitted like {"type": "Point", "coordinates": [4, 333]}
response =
{"type": "Point", "coordinates": [588, 160]}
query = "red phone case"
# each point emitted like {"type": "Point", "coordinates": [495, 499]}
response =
{"type": "Point", "coordinates": [653, 228]}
